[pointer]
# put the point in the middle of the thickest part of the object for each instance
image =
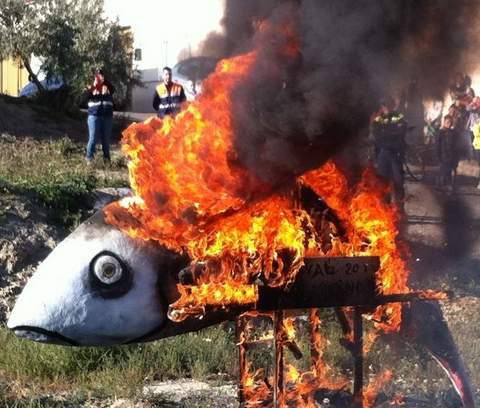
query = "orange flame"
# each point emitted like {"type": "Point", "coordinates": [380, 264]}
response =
{"type": "Point", "coordinates": [256, 390]}
{"type": "Point", "coordinates": [370, 394]}
{"type": "Point", "coordinates": [371, 230]}
{"type": "Point", "coordinates": [174, 204]}
{"type": "Point", "coordinates": [289, 328]}
{"type": "Point", "coordinates": [211, 294]}
{"type": "Point", "coordinates": [292, 374]}
{"type": "Point", "coordinates": [192, 195]}
{"type": "Point", "coordinates": [302, 385]}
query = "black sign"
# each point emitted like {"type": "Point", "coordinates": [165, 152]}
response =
{"type": "Point", "coordinates": [326, 282]}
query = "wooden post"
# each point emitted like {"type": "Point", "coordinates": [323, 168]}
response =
{"type": "Point", "coordinates": [358, 358]}
{"type": "Point", "coordinates": [278, 380]}
{"type": "Point", "coordinates": [313, 313]}
{"type": "Point", "coordinates": [242, 361]}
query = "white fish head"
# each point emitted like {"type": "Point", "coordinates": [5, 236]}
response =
{"type": "Point", "coordinates": [98, 287]}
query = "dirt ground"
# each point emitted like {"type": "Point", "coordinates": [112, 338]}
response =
{"type": "Point", "coordinates": [29, 120]}
{"type": "Point", "coordinates": [443, 235]}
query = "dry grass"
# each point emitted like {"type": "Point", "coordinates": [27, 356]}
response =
{"type": "Point", "coordinates": [54, 173]}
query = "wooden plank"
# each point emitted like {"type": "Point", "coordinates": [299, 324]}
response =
{"type": "Point", "coordinates": [325, 282]}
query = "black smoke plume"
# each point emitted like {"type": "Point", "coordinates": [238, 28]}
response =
{"type": "Point", "coordinates": [293, 113]}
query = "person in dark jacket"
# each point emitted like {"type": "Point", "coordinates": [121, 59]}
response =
{"type": "Point", "coordinates": [448, 155]}
{"type": "Point", "coordinates": [100, 114]}
{"type": "Point", "coordinates": [389, 129]}
{"type": "Point", "coordinates": [169, 96]}
{"type": "Point", "coordinates": [459, 87]}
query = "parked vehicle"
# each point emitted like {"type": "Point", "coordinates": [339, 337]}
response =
{"type": "Point", "coordinates": [31, 89]}
{"type": "Point", "coordinates": [194, 69]}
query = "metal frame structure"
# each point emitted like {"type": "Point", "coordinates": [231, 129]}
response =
{"type": "Point", "coordinates": [279, 344]}
{"type": "Point", "coordinates": [322, 282]}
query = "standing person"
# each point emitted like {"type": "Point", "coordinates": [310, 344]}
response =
{"type": "Point", "coordinates": [473, 123]}
{"type": "Point", "coordinates": [169, 96]}
{"type": "Point", "coordinates": [191, 91]}
{"type": "Point", "coordinates": [460, 121]}
{"type": "Point", "coordinates": [459, 87]}
{"type": "Point", "coordinates": [433, 121]}
{"type": "Point", "coordinates": [474, 126]}
{"type": "Point", "coordinates": [447, 140]}
{"type": "Point", "coordinates": [100, 114]}
{"type": "Point", "coordinates": [389, 130]}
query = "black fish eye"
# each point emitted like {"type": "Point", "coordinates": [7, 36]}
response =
{"type": "Point", "coordinates": [108, 269]}
{"type": "Point", "coordinates": [110, 276]}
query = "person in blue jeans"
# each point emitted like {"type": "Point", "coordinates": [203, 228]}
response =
{"type": "Point", "coordinates": [100, 113]}
{"type": "Point", "coordinates": [389, 130]}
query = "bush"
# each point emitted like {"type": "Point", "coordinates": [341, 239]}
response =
{"type": "Point", "coordinates": [63, 191]}
{"type": "Point", "coordinates": [53, 172]}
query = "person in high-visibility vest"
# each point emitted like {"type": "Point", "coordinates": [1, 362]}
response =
{"type": "Point", "coordinates": [169, 95]}
{"type": "Point", "coordinates": [389, 130]}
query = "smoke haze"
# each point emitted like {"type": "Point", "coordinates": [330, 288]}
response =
{"type": "Point", "coordinates": [295, 112]}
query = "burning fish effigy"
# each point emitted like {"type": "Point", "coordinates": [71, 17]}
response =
{"type": "Point", "coordinates": [214, 231]}
{"type": "Point", "coordinates": [109, 288]}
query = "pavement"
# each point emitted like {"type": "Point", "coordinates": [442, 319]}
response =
{"type": "Point", "coordinates": [440, 217]}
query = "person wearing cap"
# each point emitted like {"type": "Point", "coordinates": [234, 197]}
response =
{"type": "Point", "coordinates": [100, 114]}
{"type": "Point", "coordinates": [169, 96]}
{"type": "Point", "coordinates": [389, 130]}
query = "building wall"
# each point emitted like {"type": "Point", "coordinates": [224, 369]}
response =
{"type": "Point", "coordinates": [13, 77]}
{"type": "Point", "coordinates": [142, 96]}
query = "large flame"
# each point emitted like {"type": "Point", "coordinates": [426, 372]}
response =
{"type": "Point", "coordinates": [192, 194]}
{"type": "Point", "coordinates": [301, 386]}
{"type": "Point", "coordinates": [172, 205]}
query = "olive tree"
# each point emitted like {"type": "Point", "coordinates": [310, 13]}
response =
{"type": "Point", "coordinates": [19, 32]}
{"type": "Point", "coordinates": [71, 38]}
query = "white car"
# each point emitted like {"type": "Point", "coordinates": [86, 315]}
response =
{"type": "Point", "coordinates": [191, 72]}
{"type": "Point", "coordinates": [31, 89]}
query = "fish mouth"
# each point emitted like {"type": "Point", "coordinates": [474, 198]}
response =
{"type": "Point", "coordinates": [43, 335]}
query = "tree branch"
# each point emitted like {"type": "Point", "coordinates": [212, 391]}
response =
{"type": "Point", "coordinates": [31, 75]}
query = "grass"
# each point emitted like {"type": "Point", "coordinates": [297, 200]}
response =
{"type": "Point", "coordinates": [114, 371]}
{"type": "Point", "coordinates": [30, 370]}
{"type": "Point", "coordinates": [41, 402]}
{"type": "Point", "coordinates": [55, 174]}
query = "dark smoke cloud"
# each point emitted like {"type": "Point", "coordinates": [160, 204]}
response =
{"type": "Point", "coordinates": [292, 114]}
